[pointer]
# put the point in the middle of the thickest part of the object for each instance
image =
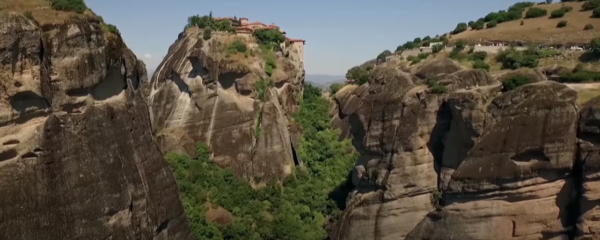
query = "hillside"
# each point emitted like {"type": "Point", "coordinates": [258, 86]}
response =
{"type": "Point", "coordinates": [541, 29]}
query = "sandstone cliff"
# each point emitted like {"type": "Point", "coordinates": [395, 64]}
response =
{"type": "Point", "coordinates": [203, 92]}
{"type": "Point", "coordinates": [77, 159]}
{"type": "Point", "coordinates": [472, 163]}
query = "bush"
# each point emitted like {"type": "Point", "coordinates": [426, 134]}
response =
{"type": "Point", "coordinates": [206, 33]}
{"type": "Point", "coordinates": [522, 23]}
{"type": "Point", "coordinates": [491, 24]}
{"type": "Point", "coordinates": [588, 27]}
{"type": "Point", "coordinates": [334, 88]}
{"type": "Point", "coordinates": [28, 14]}
{"type": "Point", "coordinates": [567, 8]}
{"type": "Point", "coordinates": [479, 55]}
{"type": "Point", "coordinates": [435, 86]}
{"type": "Point", "coordinates": [272, 38]}
{"type": "Point", "coordinates": [558, 13]}
{"type": "Point", "coordinates": [113, 29]}
{"type": "Point", "coordinates": [437, 48]}
{"type": "Point", "coordinates": [590, 5]}
{"type": "Point", "coordinates": [381, 57]}
{"type": "Point", "coordinates": [513, 59]}
{"type": "Point", "coordinates": [480, 64]}
{"type": "Point", "coordinates": [579, 76]}
{"type": "Point", "coordinates": [237, 46]}
{"type": "Point", "coordinates": [561, 24]}
{"type": "Point", "coordinates": [596, 13]}
{"type": "Point", "coordinates": [77, 6]}
{"type": "Point", "coordinates": [535, 12]}
{"type": "Point", "coordinates": [461, 27]}
{"type": "Point", "coordinates": [595, 45]}
{"type": "Point", "coordinates": [514, 82]}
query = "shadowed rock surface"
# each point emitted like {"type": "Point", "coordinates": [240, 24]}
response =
{"type": "Point", "coordinates": [77, 157]}
{"type": "Point", "coordinates": [472, 163]}
{"type": "Point", "coordinates": [201, 93]}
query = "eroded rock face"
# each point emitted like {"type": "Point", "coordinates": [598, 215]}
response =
{"type": "Point", "coordinates": [77, 159]}
{"type": "Point", "coordinates": [201, 93]}
{"type": "Point", "coordinates": [474, 163]}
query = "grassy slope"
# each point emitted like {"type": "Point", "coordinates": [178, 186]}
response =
{"type": "Point", "coordinates": [542, 29]}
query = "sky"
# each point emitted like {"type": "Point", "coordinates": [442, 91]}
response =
{"type": "Point", "coordinates": [339, 34]}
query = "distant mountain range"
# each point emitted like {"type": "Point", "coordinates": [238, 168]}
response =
{"type": "Point", "coordinates": [323, 81]}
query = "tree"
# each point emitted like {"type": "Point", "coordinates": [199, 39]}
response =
{"type": "Point", "coordinates": [536, 12]}
{"type": "Point", "coordinates": [461, 27]}
{"type": "Point", "coordinates": [417, 40]}
{"type": "Point", "coordinates": [479, 64]}
{"type": "Point", "coordinates": [478, 25]}
{"type": "Point", "coordinates": [269, 37]}
{"type": "Point", "coordinates": [206, 34]}
{"type": "Point", "coordinates": [381, 57]}
{"type": "Point", "coordinates": [77, 6]}
{"type": "Point", "coordinates": [588, 27]}
{"type": "Point", "coordinates": [334, 88]}
{"type": "Point", "coordinates": [558, 13]}
{"type": "Point", "coordinates": [427, 38]}
{"type": "Point", "coordinates": [492, 24]}
{"type": "Point", "coordinates": [596, 13]}
{"type": "Point", "coordinates": [590, 5]}
{"type": "Point", "coordinates": [548, 1]}
{"type": "Point", "coordinates": [460, 45]}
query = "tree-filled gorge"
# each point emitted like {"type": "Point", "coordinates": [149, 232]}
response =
{"type": "Point", "coordinates": [299, 208]}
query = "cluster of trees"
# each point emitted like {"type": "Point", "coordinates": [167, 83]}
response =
{"type": "Point", "coordinates": [271, 38]}
{"type": "Point", "coordinates": [514, 12]}
{"type": "Point", "coordinates": [77, 6]}
{"type": "Point", "coordinates": [418, 42]}
{"type": "Point", "coordinates": [208, 24]}
{"type": "Point", "coordinates": [513, 59]}
{"type": "Point", "coordinates": [360, 74]}
{"type": "Point", "coordinates": [299, 208]}
{"type": "Point", "coordinates": [558, 13]}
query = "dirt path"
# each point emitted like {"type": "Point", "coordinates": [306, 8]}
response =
{"type": "Point", "coordinates": [583, 86]}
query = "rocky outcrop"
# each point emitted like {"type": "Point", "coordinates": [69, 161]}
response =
{"type": "Point", "coordinates": [202, 92]}
{"type": "Point", "coordinates": [77, 158]}
{"type": "Point", "coordinates": [473, 163]}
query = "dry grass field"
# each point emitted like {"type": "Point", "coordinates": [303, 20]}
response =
{"type": "Point", "coordinates": [542, 29]}
{"type": "Point", "coordinates": [40, 10]}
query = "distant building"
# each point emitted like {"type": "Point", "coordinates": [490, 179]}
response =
{"type": "Point", "coordinates": [246, 29]}
{"type": "Point", "coordinates": [435, 43]}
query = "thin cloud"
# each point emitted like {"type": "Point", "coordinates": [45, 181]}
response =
{"type": "Point", "coordinates": [147, 55]}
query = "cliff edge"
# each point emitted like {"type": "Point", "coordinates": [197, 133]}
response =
{"type": "Point", "coordinates": [232, 94]}
{"type": "Point", "coordinates": [449, 153]}
{"type": "Point", "coordinates": [77, 157]}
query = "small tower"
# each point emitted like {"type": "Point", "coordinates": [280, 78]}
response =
{"type": "Point", "coordinates": [243, 21]}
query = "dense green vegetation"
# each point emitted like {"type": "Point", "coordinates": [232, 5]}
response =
{"type": "Point", "coordinates": [208, 23]}
{"type": "Point", "coordinates": [359, 74]}
{"type": "Point", "coordinates": [515, 82]}
{"type": "Point", "coordinates": [535, 12]}
{"type": "Point", "coordinates": [596, 13]}
{"type": "Point", "coordinates": [271, 38]}
{"type": "Point", "coordinates": [590, 5]}
{"type": "Point", "coordinates": [237, 46]}
{"type": "Point", "coordinates": [297, 209]}
{"type": "Point", "coordinates": [77, 6]}
{"type": "Point", "coordinates": [334, 88]}
{"type": "Point", "coordinates": [513, 59]}
{"type": "Point", "coordinates": [417, 59]}
{"type": "Point", "coordinates": [435, 86]}
{"type": "Point", "coordinates": [381, 57]}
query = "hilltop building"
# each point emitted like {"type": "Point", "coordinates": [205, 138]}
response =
{"type": "Point", "coordinates": [245, 28]}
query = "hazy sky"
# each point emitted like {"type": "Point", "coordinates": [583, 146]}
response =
{"type": "Point", "coordinates": [339, 34]}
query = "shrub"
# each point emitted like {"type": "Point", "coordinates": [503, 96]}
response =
{"type": "Point", "coordinates": [461, 27]}
{"type": "Point", "coordinates": [513, 59]}
{"type": "Point", "coordinates": [334, 88]}
{"type": "Point", "coordinates": [28, 14]}
{"type": "Point", "coordinates": [436, 197]}
{"type": "Point", "coordinates": [460, 45]}
{"type": "Point", "coordinates": [426, 38]}
{"type": "Point", "coordinates": [479, 64]}
{"type": "Point", "coordinates": [270, 64]}
{"type": "Point", "coordinates": [381, 57]}
{"type": "Point", "coordinates": [437, 48]}
{"type": "Point", "coordinates": [522, 23]}
{"type": "Point", "coordinates": [479, 55]}
{"type": "Point", "coordinates": [77, 6]}
{"type": "Point", "coordinates": [596, 13]}
{"type": "Point", "coordinates": [567, 8]}
{"type": "Point", "coordinates": [535, 12]}
{"type": "Point", "coordinates": [579, 76]}
{"type": "Point", "coordinates": [206, 33]}
{"type": "Point", "coordinates": [558, 13]}
{"type": "Point", "coordinates": [561, 24]}
{"type": "Point", "coordinates": [478, 25]}
{"type": "Point", "coordinates": [515, 82]}
{"type": "Point", "coordinates": [435, 86]}
{"type": "Point", "coordinates": [590, 5]}
{"type": "Point", "coordinates": [595, 45]}
{"type": "Point", "coordinates": [113, 29]}
{"type": "Point", "coordinates": [588, 27]}
{"type": "Point", "coordinates": [417, 40]}
{"type": "Point", "coordinates": [237, 46]}
{"type": "Point", "coordinates": [491, 24]}
{"type": "Point", "coordinates": [269, 37]}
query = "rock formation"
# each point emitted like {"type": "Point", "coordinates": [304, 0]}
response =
{"type": "Point", "coordinates": [77, 157]}
{"type": "Point", "coordinates": [473, 163]}
{"type": "Point", "coordinates": [202, 92]}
